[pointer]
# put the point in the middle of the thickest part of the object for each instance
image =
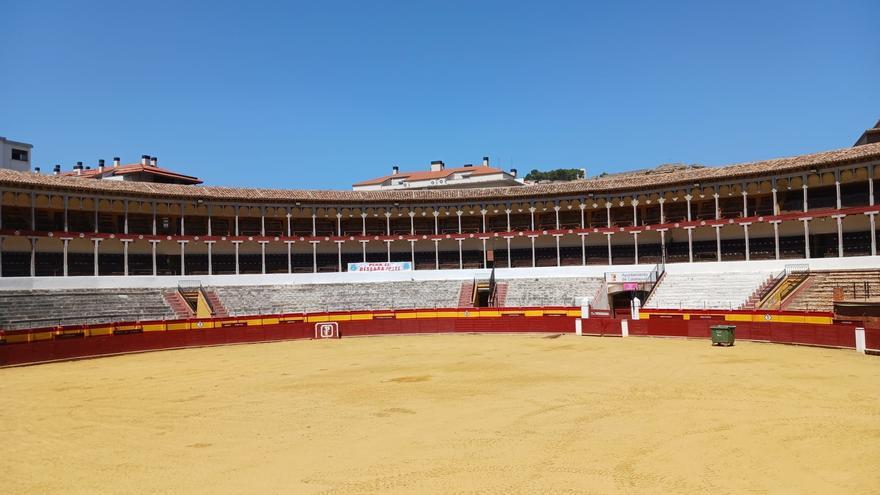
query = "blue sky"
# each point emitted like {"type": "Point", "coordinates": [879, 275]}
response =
{"type": "Point", "coordinates": [323, 94]}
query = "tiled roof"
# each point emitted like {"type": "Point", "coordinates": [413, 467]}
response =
{"type": "Point", "coordinates": [611, 185]}
{"type": "Point", "coordinates": [135, 168]}
{"type": "Point", "coordinates": [431, 174]}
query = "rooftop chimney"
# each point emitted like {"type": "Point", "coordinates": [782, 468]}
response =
{"type": "Point", "coordinates": [437, 165]}
{"type": "Point", "coordinates": [100, 165]}
{"type": "Point", "coordinates": [513, 172]}
{"type": "Point", "coordinates": [56, 170]}
{"type": "Point", "coordinates": [115, 161]}
{"type": "Point", "coordinates": [37, 170]}
{"type": "Point", "coordinates": [485, 161]}
{"type": "Point", "coordinates": [145, 159]}
{"type": "Point", "coordinates": [395, 170]}
{"type": "Point", "coordinates": [78, 167]}
{"type": "Point", "coordinates": [154, 161]}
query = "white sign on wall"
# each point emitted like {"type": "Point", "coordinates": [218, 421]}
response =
{"type": "Point", "coordinates": [384, 266]}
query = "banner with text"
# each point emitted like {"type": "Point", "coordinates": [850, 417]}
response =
{"type": "Point", "coordinates": [384, 266]}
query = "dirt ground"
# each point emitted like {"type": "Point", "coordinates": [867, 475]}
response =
{"type": "Point", "coordinates": [447, 414]}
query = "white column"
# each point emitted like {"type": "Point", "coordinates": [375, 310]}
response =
{"type": "Point", "coordinates": [339, 224]}
{"type": "Point", "coordinates": [96, 242]}
{"type": "Point", "coordinates": [583, 223]}
{"type": "Point", "coordinates": [485, 262]}
{"type": "Point", "coordinates": [662, 213]}
{"type": "Point", "coordinates": [635, 205]}
{"type": "Point", "coordinates": [34, 212]}
{"type": "Point", "coordinates": [532, 238]}
{"type": "Point", "coordinates": [745, 203]}
{"type": "Point", "coordinates": [805, 194]}
{"type": "Point", "coordinates": [460, 260]}
{"type": "Point", "coordinates": [458, 212]}
{"type": "Point", "coordinates": [66, 199]}
{"type": "Point", "coordinates": [583, 249]}
{"type": "Point", "coordinates": [262, 221]}
{"type": "Point", "coordinates": [532, 215]}
{"type": "Point", "coordinates": [776, 236]}
{"type": "Point", "coordinates": [364, 224]}
{"type": "Point", "coordinates": [153, 251]}
{"type": "Point", "coordinates": [339, 255]}
{"type": "Point", "coordinates": [65, 249]}
{"type": "Point", "coordinates": [210, 224]}
{"type": "Point", "coordinates": [608, 214]}
{"type": "Point", "coordinates": [387, 223]}
{"type": "Point", "coordinates": [263, 257]}
{"type": "Point", "coordinates": [182, 258]}
{"type": "Point", "coordinates": [236, 221]}
{"type": "Point", "coordinates": [690, 231]}
{"type": "Point", "coordinates": [806, 238]}
{"type": "Point", "coordinates": [871, 186]}
{"type": "Point", "coordinates": [483, 213]}
{"type": "Point", "coordinates": [436, 215]}
{"type": "Point", "coordinates": [412, 223]}
{"type": "Point", "coordinates": [717, 242]}
{"type": "Point", "coordinates": [314, 256]}
{"type": "Point", "coordinates": [509, 264]}
{"type": "Point", "coordinates": [33, 263]}
{"type": "Point", "coordinates": [97, 204]}
{"type": "Point", "coordinates": [125, 256]}
{"type": "Point", "coordinates": [507, 212]}
{"type": "Point", "coordinates": [289, 256]}
{"type": "Point", "coordinates": [556, 210]}
{"type": "Point", "coordinates": [558, 261]}
{"type": "Point", "coordinates": [436, 253]}
{"type": "Point", "coordinates": [873, 235]}
{"type": "Point", "coordinates": [125, 217]}
{"type": "Point", "coordinates": [154, 224]}
{"type": "Point", "coordinates": [688, 197]}
{"type": "Point", "coordinates": [608, 237]}
{"type": "Point", "coordinates": [837, 187]}
{"type": "Point", "coordinates": [746, 232]}
{"type": "Point", "coordinates": [182, 220]}
{"type": "Point", "coordinates": [288, 215]}
{"type": "Point", "coordinates": [237, 266]}
{"type": "Point", "coordinates": [364, 251]}
{"type": "Point", "coordinates": [388, 250]}
{"type": "Point", "coordinates": [210, 246]}
{"type": "Point", "coordinates": [662, 245]}
{"type": "Point", "coordinates": [717, 207]}
{"type": "Point", "coordinates": [636, 246]}
{"type": "Point", "coordinates": [839, 219]}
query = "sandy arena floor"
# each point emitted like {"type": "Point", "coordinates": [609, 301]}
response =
{"type": "Point", "coordinates": [447, 414]}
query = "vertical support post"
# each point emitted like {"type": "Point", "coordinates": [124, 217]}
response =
{"type": "Point", "coordinates": [776, 236]}
{"type": "Point", "coordinates": [237, 265]}
{"type": "Point", "coordinates": [636, 246]}
{"type": "Point", "coordinates": [65, 248]}
{"type": "Point", "coordinates": [532, 239]}
{"type": "Point", "coordinates": [263, 257]}
{"type": "Point", "coordinates": [33, 260]}
{"type": "Point", "coordinates": [125, 243]}
{"type": "Point", "coordinates": [583, 249]}
{"type": "Point", "coordinates": [436, 254]}
{"type": "Point", "coordinates": [806, 238]}
{"type": "Point", "coordinates": [558, 261]}
{"type": "Point", "coordinates": [839, 219]}
{"type": "Point", "coordinates": [746, 232]}
{"type": "Point", "coordinates": [690, 231]}
{"type": "Point", "coordinates": [210, 246]}
{"type": "Point", "coordinates": [608, 237]}
{"type": "Point", "coordinates": [717, 242]}
{"type": "Point", "coordinates": [460, 256]}
{"type": "Point", "coordinates": [153, 251]}
{"type": "Point", "coordinates": [182, 258]}
{"type": "Point", "coordinates": [509, 264]}
{"type": "Point", "coordinates": [96, 242]}
{"type": "Point", "coordinates": [314, 256]}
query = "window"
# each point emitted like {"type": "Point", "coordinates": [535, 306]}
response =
{"type": "Point", "coordinates": [20, 155]}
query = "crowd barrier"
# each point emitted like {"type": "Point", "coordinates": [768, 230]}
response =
{"type": "Point", "coordinates": [73, 342]}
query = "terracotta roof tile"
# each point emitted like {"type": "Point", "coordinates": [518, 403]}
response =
{"type": "Point", "coordinates": [610, 185]}
{"type": "Point", "coordinates": [134, 168]}
{"type": "Point", "coordinates": [430, 174]}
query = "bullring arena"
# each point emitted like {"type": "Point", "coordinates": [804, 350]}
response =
{"type": "Point", "coordinates": [162, 337]}
{"type": "Point", "coordinates": [447, 413]}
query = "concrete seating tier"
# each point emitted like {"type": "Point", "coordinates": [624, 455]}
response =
{"type": "Point", "coordinates": [277, 299]}
{"type": "Point", "coordinates": [21, 309]}
{"type": "Point", "coordinates": [818, 291]}
{"type": "Point", "coordinates": [726, 290]}
{"type": "Point", "coordinates": [549, 292]}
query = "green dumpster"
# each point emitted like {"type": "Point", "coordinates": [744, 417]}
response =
{"type": "Point", "coordinates": [723, 335]}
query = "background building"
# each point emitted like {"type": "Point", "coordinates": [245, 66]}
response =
{"type": "Point", "coordinates": [15, 155]}
{"type": "Point", "coordinates": [441, 177]}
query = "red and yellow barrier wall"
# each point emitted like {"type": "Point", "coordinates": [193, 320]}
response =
{"type": "Point", "coordinates": [72, 342]}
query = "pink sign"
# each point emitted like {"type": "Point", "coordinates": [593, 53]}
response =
{"type": "Point", "coordinates": [631, 286]}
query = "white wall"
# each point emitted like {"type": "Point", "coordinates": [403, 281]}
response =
{"type": "Point", "coordinates": [24, 283]}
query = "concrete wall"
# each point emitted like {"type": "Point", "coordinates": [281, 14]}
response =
{"type": "Point", "coordinates": [24, 283]}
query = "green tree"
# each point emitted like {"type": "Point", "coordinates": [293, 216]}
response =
{"type": "Point", "coordinates": [556, 174]}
